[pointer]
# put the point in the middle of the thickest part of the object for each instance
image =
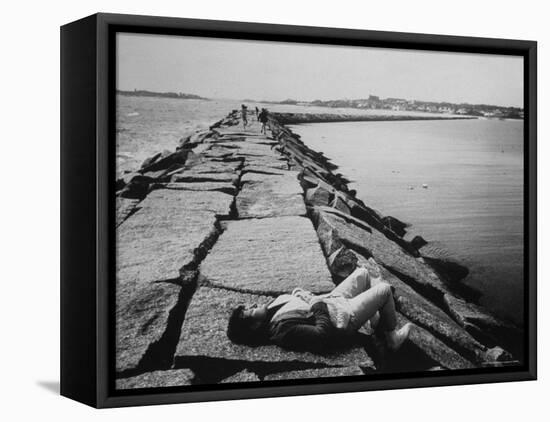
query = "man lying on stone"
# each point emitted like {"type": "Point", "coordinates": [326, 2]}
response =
{"type": "Point", "coordinates": [317, 323]}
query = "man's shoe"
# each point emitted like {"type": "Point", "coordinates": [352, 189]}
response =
{"type": "Point", "coordinates": [396, 338]}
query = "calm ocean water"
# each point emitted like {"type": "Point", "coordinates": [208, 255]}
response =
{"type": "Point", "coordinates": [471, 209]}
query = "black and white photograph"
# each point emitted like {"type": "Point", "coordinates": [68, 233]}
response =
{"type": "Point", "coordinates": [277, 211]}
{"type": "Point", "coordinates": [296, 211]}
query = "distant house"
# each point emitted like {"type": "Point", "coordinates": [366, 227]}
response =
{"type": "Point", "coordinates": [396, 100]}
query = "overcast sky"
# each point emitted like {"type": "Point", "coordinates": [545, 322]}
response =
{"type": "Point", "coordinates": [221, 68]}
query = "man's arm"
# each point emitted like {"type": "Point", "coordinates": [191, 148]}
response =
{"type": "Point", "coordinates": [301, 336]}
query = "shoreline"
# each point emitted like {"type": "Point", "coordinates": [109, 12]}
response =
{"type": "Point", "coordinates": [240, 187]}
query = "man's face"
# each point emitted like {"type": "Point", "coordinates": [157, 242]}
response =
{"type": "Point", "coordinates": [256, 313]}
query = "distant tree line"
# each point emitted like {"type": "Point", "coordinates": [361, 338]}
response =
{"type": "Point", "coordinates": [145, 93]}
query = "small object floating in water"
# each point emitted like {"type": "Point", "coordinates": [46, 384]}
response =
{"type": "Point", "coordinates": [135, 113]}
{"type": "Point", "coordinates": [424, 185]}
{"type": "Point", "coordinates": [411, 188]}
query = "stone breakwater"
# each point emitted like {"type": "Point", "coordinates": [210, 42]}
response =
{"type": "Point", "coordinates": [296, 118]}
{"type": "Point", "coordinates": [233, 216]}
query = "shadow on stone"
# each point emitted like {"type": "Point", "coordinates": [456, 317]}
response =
{"type": "Point", "coordinates": [210, 370]}
{"type": "Point", "coordinates": [453, 273]}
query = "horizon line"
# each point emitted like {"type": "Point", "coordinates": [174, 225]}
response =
{"type": "Point", "coordinates": [265, 100]}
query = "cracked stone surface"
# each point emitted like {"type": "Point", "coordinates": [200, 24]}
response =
{"type": "Point", "coordinates": [316, 373]}
{"type": "Point", "coordinates": [242, 376]}
{"type": "Point", "coordinates": [141, 319]}
{"type": "Point", "coordinates": [262, 169]}
{"type": "Point", "coordinates": [256, 203]}
{"type": "Point", "coordinates": [152, 245]}
{"type": "Point", "coordinates": [267, 195]}
{"type": "Point", "coordinates": [271, 162]}
{"type": "Point", "coordinates": [212, 167]}
{"type": "Point", "coordinates": [192, 177]}
{"type": "Point", "coordinates": [170, 378]}
{"type": "Point", "coordinates": [236, 131]}
{"type": "Point", "coordinates": [216, 202]}
{"type": "Point", "coordinates": [228, 188]}
{"type": "Point", "coordinates": [272, 255]}
{"type": "Point", "coordinates": [285, 182]}
{"type": "Point", "coordinates": [247, 148]}
{"type": "Point", "coordinates": [256, 139]}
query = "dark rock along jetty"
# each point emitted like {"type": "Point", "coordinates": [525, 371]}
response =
{"type": "Point", "coordinates": [233, 216]}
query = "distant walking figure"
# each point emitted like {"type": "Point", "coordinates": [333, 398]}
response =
{"type": "Point", "coordinates": [316, 323]}
{"type": "Point", "coordinates": [257, 114]}
{"type": "Point", "coordinates": [262, 117]}
{"type": "Point", "coordinates": [243, 115]}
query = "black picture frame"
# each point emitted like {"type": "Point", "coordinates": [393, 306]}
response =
{"type": "Point", "coordinates": [87, 208]}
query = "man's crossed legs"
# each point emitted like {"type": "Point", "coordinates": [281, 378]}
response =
{"type": "Point", "coordinates": [368, 295]}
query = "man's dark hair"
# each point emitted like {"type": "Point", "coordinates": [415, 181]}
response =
{"type": "Point", "coordinates": [241, 330]}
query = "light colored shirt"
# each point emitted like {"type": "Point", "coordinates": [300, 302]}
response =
{"type": "Point", "coordinates": [301, 300]}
